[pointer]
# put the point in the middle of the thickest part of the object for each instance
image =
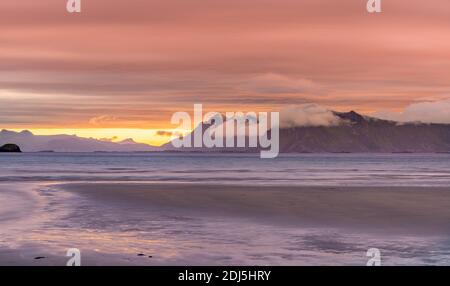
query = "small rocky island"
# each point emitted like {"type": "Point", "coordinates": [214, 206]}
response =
{"type": "Point", "coordinates": [10, 148]}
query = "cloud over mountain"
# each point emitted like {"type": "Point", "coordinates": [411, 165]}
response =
{"type": "Point", "coordinates": [307, 115]}
{"type": "Point", "coordinates": [426, 112]}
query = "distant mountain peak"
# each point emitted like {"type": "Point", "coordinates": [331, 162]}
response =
{"type": "Point", "coordinates": [7, 132]}
{"type": "Point", "coordinates": [26, 132]}
{"type": "Point", "coordinates": [127, 141]}
{"type": "Point", "coordinates": [351, 116]}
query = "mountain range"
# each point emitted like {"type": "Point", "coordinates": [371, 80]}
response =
{"type": "Point", "coordinates": [355, 133]}
{"type": "Point", "coordinates": [28, 142]}
{"type": "Point", "coordinates": [362, 134]}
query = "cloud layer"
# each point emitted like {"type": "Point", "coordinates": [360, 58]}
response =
{"type": "Point", "coordinates": [145, 59]}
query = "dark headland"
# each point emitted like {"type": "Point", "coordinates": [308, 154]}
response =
{"type": "Point", "coordinates": [10, 148]}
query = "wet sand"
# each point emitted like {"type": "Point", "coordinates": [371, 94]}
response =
{"type": "Point", "coordinates": [198, 224]}
{"type": "Point", "coordinates": [382, 209]}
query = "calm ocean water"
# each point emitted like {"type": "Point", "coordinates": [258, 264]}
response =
{"type": "Point", "coordinates": [295, 169]}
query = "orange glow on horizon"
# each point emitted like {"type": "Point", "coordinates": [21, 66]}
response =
{"type": "Point", "coordinates": [154, 137]}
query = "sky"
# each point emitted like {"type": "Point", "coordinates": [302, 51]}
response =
{"type": "Point", "coordinates": [121, 68]}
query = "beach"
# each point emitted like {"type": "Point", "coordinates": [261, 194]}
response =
{"type": "Point", "coordinates": [127, 223]}
{"type": "Point", "coordinates": [224, 209]}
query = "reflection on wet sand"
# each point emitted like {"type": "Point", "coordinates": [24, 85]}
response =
{"type": "Point", "coordinates": [179, 224]}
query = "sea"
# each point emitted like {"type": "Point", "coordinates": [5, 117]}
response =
{"type": "Point", "coordinates": [239, 168]}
